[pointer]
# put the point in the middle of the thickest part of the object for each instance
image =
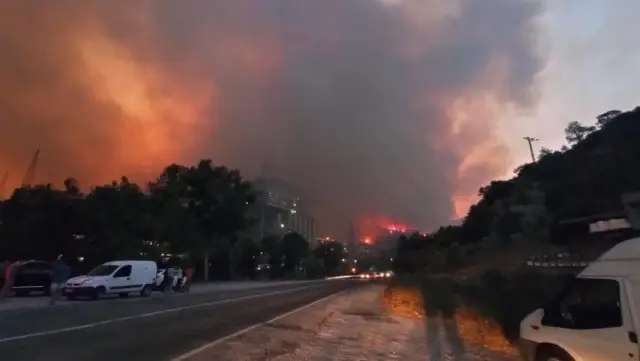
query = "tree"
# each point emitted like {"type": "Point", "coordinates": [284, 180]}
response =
{"type": "Point", "coordinates": [605, 118]}
{"type": "Point", "coordinates": [294, 249]}
{"type": "Point", "coordinates": [118, 221]}
{"type": "Point", "coordinates": [331, 255]}
{"type": "Point", "coordinates": [39, 222]}
{"type": "Point", "coordinates": [218, 199]}
{"type": "Point", "coordinates": [174, 228]}
{"type": "Point", "coordinates": [196, 210]}
{"type": "Point", "coordinates": [576, 132]}
{"type": "Point", "coordinates": [270, 245]}
{"type": "Point", "coordinates": [247, 254]}
{"type": "Point", "coordinates": [544, 152]}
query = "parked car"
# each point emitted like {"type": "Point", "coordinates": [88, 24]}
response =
{"type": "Point", "coordinates": [116, 277]}
{"type": "Point", "coordinates": [31, 276]}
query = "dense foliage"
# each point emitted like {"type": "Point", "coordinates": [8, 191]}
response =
{"type": "Point", "coordinates": [195, 212]}
{"type": "Point", "coordinates": [584, 178]}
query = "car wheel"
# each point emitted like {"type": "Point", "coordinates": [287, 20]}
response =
{"type": "Point", "coordinates": [553, 354]}
{"type": "Point", "coordinates": [99, 293]}
{"type": "Point", "coordinates": [146, 291]}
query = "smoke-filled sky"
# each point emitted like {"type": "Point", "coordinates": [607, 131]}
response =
{"type": "Point", "coordinates": [381, 110]}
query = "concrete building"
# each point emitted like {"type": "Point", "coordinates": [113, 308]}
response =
{"type": "Point", "coordinates": [281, 209]}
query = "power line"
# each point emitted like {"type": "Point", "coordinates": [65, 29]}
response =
{"type": "Point", "coordinates": [530, 140]}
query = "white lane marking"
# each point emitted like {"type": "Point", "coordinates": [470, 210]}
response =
{"type": "Point", "coordinates": [204, 347]}
{"type": "Point", "coordinates": [339, 277]}
{"type": "Point", "coordinates": [200, 291]}
{"type": "Point", "coordinates": [149, 314]}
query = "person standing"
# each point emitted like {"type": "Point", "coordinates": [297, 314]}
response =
{"type": "Point", "coordinates": [59, 276]}
{"type": "Point", "coordinates": [168, 279]}
{"type": "Point", "coordinates": [188, 276]}
{"type": "Point", "coordinates": [9, 278]}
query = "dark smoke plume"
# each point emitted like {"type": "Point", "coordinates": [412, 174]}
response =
{"type": "Point", "coordinates": [382, 110]}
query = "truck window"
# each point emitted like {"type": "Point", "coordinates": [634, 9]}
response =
{"type": "Point", "coordinates": [124, 271]}
{"type": "Point", "coordinates": [587, 304]}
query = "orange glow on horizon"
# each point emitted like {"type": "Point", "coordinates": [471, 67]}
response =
{"type": "Point", "coordinates": [396, 228]}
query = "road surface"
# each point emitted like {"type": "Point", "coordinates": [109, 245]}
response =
{"type": "Point", "coordinates": [147, 329]}
{"type": "Point", "coordinates": [38, 301]}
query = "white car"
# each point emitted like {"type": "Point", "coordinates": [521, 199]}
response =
{"type": "Point", "coordinates": [116, 277]}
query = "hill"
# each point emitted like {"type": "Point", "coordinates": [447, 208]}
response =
{"type": "Point", "coordinates": [541, 205]}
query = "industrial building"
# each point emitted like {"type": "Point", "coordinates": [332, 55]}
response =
{"type": "Point", "coordinates": [280, 209]}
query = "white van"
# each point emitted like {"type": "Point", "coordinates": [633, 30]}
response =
{"type": "Point", "coordinates": [116, 277]}
{"type": "Point", "coordinates": [596, 318]}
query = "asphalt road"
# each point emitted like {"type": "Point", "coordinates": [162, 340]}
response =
{"type": "Point", "coordinates": [147, 329]}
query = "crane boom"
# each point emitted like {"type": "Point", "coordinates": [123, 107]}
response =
{"type": "Point", "coordinates": [3, 184]}
{"type": "Point", "coordinates": [31, 171]}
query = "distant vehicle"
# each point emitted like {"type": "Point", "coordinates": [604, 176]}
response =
{"type": "Point", "coordinates": [376, 275]}
{"type": "Point", "coordinates": [116, 277]}
{"type": "Point", "coordinates": [595, 318]}
{"type": "Point", "coordinates": [32, 276]}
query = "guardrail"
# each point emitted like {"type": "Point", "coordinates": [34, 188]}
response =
{"type": "Point", "coordinates": [557, 264]}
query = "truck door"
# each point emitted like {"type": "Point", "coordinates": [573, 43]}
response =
{"type": "Point", "coordinates": [121, 281]}
{"type": "Point", "coordinates": [592, 320]}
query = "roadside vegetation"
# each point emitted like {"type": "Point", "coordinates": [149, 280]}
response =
{"type": "Point", "coordinates": [476, 273]}
{"type": "Point", "coordinates": [197, 214]}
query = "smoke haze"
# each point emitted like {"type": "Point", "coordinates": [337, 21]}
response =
{"type": "Point", "coordinates": [380, 109]}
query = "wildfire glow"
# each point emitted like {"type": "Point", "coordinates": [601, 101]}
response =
{"type": "Point", "coordinates": [396, 228]}
{"type": "Point", "coordinates": [156, 110]}
{"type": "Point", "coordinates": [106, 90]}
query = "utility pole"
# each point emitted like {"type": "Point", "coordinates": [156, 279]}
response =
{"type": "Point", "coordinates": [530, 140]}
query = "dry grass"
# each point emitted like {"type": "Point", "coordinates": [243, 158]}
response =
{"type": "Point", "coordinates": [404, 301]}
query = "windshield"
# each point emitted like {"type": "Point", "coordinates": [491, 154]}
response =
{"type": "Point", "coordinates": [103, 270]}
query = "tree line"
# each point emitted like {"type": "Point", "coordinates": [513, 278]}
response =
{"type": "Point", "coordinates": [583, 178]}
{"type": "Point", "coordinates": [195, 214]}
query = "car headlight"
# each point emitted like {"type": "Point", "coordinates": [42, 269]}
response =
{"type": "Point", "coordinates": [87, 282]}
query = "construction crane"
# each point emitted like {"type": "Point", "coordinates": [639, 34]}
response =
{"type": "Point", "coordinates": [31, 171]}
{"type": "Point", "coordinates": [3, 184]}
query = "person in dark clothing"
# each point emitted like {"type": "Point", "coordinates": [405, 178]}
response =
{"type": "Point", "coordinates": [59, 276]}
{"type": "Point", "coordinates": [167, 283]}
{"type": "Point", "coordinates": [9, 278]}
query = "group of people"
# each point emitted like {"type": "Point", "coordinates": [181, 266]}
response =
{"type": "Point", "coordinates": [175, 278]}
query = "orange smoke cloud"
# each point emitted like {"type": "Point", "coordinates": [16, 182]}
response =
{"type": "Point", "coordinates": [92, 103]}
{"type": "Point", "coordinates": [326, 90]}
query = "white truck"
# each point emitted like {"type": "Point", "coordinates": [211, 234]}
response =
{"type": "Point", "coordinates": [116, 277]}
{"type": "Point", "coordinates": [596, 318]}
